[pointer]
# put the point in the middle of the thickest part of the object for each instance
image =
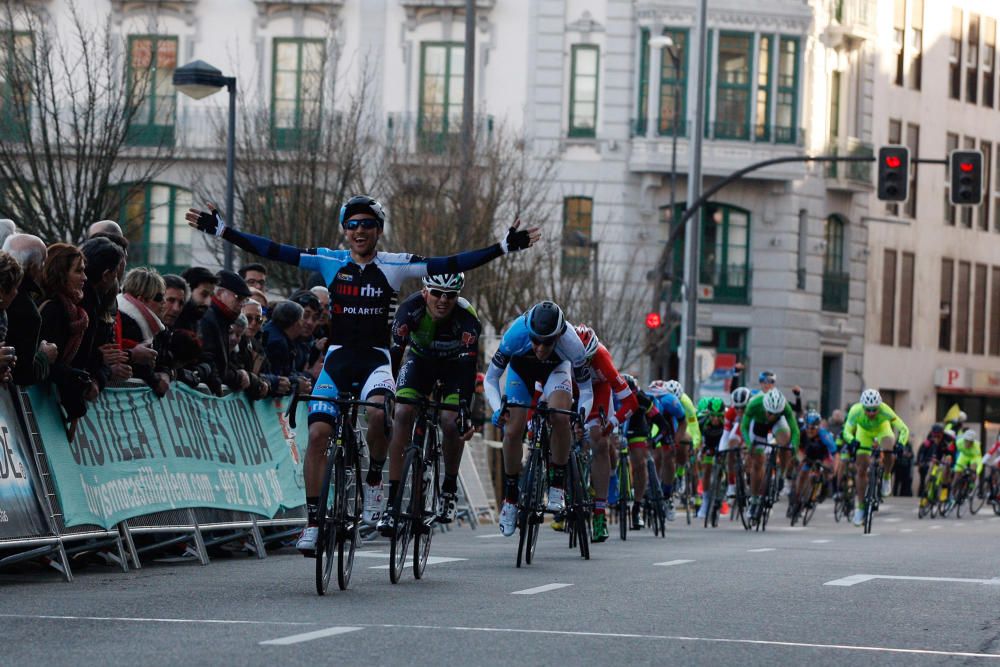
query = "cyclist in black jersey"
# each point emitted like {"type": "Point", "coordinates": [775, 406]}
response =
{"type": "Point", "coordinates": [363, 283]}
{"type": "Point", "coordinates": [442, 332]}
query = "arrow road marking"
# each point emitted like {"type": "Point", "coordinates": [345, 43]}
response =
{"type": "Point", "coordinates": [861, 578]}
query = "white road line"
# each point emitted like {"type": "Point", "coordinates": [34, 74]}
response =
{"type": "Point", "coordinates": [821, 541]}
{"type": "Point", "coordinates": [673, 562]}
{"type": "Point", "coordinates": [431, 560]}
{"type": "Point", "coordinates": [718, 640]}
{"type": "Point", "coordinates": [371, 554]}
{"type": "Point", "coordinates": [760, 551]}
{"type": "Point", "coordinates": [906, 530]}
{"type": "Point", "coordinates": [870, 534]}
{"type": "Point", "coordinates": [935, 527]}
{"type": "Point", "coordinates": [490, 537]}
{"type": "Point", "coordinates": [540, 589]}
{"type": "Point", "coordinates": [892, 519]}
{"type": "Point", "coordinates": [309, 636]}
{"type": "Point", "coordinates": [861, 578]}
{"type": "Point", "coordinates": [130, 619]}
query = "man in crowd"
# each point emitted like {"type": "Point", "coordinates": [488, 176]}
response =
{"type": "Point", "coordinates": [202, 283]}
{"type": "Point", "coordinates": [255, 276]}
{"type": "Point", "coordinates": [231, 292]}
{"type": "Point", "coordinates": [10, 280]}
{"type": "Point", "coordinates": [36, 355]}
{"type": "Point", "coordinates": [175, 295]}
{"type": "Point", "coordinates": [280, 334]}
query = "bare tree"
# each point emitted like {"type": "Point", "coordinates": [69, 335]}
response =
{"type": "Point", "coordinates": [68, 122]}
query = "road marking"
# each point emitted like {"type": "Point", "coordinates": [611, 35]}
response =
{"type": "Point", "coordinates": [131, 619]}
{"type": "Point", "coordinates": [309, 636]}
{"type": "Point", "coordinates": [673, 562]}
{"type": "Point", "coordinates": [892, 519]}
{"type": "Point", "coordinates": [717, 640]}
{"type": "Point", "coordinates": [759, 551]}
{"type": "Point", "coordinates": [820, 541]}
{"type": "Point", "coordinates": [371, 554]}
{"type": "Point", "coordinates": [490, 537]}
{"type": "Point", "coordinates": [935, 527]}
{"type": "Point", "coordinates": [431, 560]}
{"type": "Point", "coordinates": [861, 578]}
{"type": "Point", "coordinates": [540, 589]}
{"type": "Point", "coordinates": [906, 530]}
{"type": "Point", "coordinates": [870, 534]}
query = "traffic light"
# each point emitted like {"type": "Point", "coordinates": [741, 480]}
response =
{"type": "Point", "coordinates": [893, 173]}
{"type": "Point", "coordinates": [653, 320]}
{"type": "Point", "coordinates": [966, 177]}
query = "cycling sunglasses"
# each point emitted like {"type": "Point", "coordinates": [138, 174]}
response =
{"type": "Point", "coordinates": [367, 223]}
{"type": "Point", "coordinates": [442, 294]}
{"type": "Point", "coordinates": [547, 342]}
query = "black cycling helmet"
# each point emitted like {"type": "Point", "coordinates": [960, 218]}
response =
{"type": "Point", "coordinates": [362, 204]}
{"type": "Point", "coordinates": [937, 428]}
{"type": "Point", "coordinates": [545, 322]}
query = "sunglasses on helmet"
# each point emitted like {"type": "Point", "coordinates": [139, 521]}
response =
{"type": "Point", "coordinates": [366, 223]}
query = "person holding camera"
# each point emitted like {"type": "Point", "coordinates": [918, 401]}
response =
{"type": "Point", "coordinates": [280, 336]}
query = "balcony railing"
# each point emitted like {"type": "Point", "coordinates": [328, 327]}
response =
{"type": "Point", "coordinates": [729, 283]}
{"type": "Point", "coordinates": [760, 134]}
{"type": "Point", "coordinates": [638, 127]}
{"type": "Point", "coordinates": [408, 131]}
{"type": "Point", "coordinates": [836, 292]}
{"type": "Point", "coordinates": [852, 175]}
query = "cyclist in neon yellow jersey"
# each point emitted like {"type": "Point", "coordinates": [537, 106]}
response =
{"type": "Point", "coordinates": [871, 423]}
{"type": "Point", "coordinates": [970, 455]}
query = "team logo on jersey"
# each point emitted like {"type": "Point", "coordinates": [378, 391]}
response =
{"type": "Point", "coordinates": [468, 338]}
{"type": "Point", "coordinates": [347, 277]}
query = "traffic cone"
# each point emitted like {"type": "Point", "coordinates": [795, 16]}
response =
{"type": "Point", "coordinates": [701, 488]}
{"type": "Point", "coordinates": [725, 508]}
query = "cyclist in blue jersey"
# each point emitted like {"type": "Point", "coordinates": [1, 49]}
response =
{"type": "Point", "coordinates": [666, 455]}
{"type": "Point", "coordinates": [541, 347]}
{"type": "Point", "coordinates": [817, 446]}
{"type": "Point", "coordinates": [363, 283]}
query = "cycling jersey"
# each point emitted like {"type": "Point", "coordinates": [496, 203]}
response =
{"type": "Point", "coordinates": [992, 457]}
{"type": "Point", "coordinates": [451, 338]}
{"type": "Point", "coordinates": [638, 428]}
{"type": "Point", "coordinates": [568, 357]}
{"type": "Point", "coordinates": [691, 414]}
{"type": "Point", "coordinates": [755, 415]}
{"type": "Point", "coordinates": [608, 383]}
{"type": "Point", "coordinates": [672, 410]}
{"type": "Point", "coordinates": [944, 448]}
{"type": "Point", "coordinates": [859, 426]}
{"type": "Point", "coordinates": [711, 434]}
{"type": "Point", "coordinates": [969, 454]}
{"type": "Point", "coordinates": [819, 448]}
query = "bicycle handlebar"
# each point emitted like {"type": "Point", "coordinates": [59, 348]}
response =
{"type": "Point", "coordinates": [541, 408]}
{"type": "Point", "coordinates": [344, 401]}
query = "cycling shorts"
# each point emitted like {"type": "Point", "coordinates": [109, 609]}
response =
{"type": "Point", "coordinates": [866, 439]}
{"type": "Point", "coordinates": [362, 371]}
{"type": "Point", "coordinates": [814, 451]}
{"type": "Point", "coordinates": [760, 430]}
{"type": "Point", "coordinates": [602, 399]}
{"type": "Point", "coordinates": [418, 374]}
{"type": "Point", "coordinates": [666, 442]}
{"type": "Point", "coordinates": [522, 390]}
{"type": "Point", "coordinates": [966, 461]}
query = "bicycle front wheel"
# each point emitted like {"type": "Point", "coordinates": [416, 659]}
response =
{"type": "Point", "coordinates": [424, 529]}
{"type": "Point", "coordinates": [977, 498]}
{"type": "Point", "coordinates": [624, 487]}
{"type": "Point", "coordinates": [326, 542]}
{"type": "Point", "coordinates": [349, 479]}
{"type": "Point", "coordinates": [403, 509]}
{"type": "Point", "coordinates": [528, 503]}
{"type": "Point", "coordinates": [577, 514]}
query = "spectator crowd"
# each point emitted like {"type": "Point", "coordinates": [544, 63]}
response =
{"type": "Point", "coordinates": [73, 316]}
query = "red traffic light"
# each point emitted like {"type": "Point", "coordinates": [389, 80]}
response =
{"type": "Point", "coordinates": [966, 166]}
{"type": "Point", "coordinates": [653, 320]}
{"type": "Point", "coordinates": [893, 161]}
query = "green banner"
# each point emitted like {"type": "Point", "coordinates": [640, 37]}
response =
{"type": "Point", "coordinates": [134, 454]}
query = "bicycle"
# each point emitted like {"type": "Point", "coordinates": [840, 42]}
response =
{"type": "Point", "coordinates": [993, 489]}
{"type": "Point", "coordinates": [844, 505]}
{"type": "Point", "coordinates": [686, 485]}
{"type": "Point", "coordinates": [772, 487]}
{"type": "Point", "coordinates": [963, 489]}
{"type": "Point", "coordinates": [415, 507]}
{"type": "Point", "coordinates": [625, 494]}
{"type": "Point", "coordinates": [873, 492]}
{"type": "Point", "coordinates": [579, 505]}
{"type": "Point", "coordinates": [930, 503]}
{"type": "Point", "coordinates": [741, 500]}
{"type": "Point", "coordinates": [534, 478]}
{"type": "Point", "coordinates": [340, 493]}
{"type": "Point", "coordinates": [806, 508]}
{"type": "Point", "coordinates": [978, 495]}
{"type": "Point", "coordinates": [652, 505]}
{"type": "Point", "coordinates": [715, 490]}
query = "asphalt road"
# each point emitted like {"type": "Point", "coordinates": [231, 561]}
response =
{"type": "Point", "coordinates": [698, 597]}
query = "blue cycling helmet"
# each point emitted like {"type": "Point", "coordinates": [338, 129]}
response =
{"type": "Point", "coordinates": [813, 418]}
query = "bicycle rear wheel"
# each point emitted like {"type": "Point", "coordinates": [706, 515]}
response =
{"type": "Point", "coordinates": [326, 542]}
{"type": "Point", "coordinates": [528, 503]}
{"type": "Point", "coordinates": [624, 489]}
{"type": "Point", "coordinates": [350, 517]}
{"type": "Point", "coordinates": [404, 508]}
{"type": "Point", "coordinates": [424, 528]}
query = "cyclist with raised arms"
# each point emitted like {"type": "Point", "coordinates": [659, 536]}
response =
{"type": "Point", "coordinates": [439, 332]}
{"type": "Point", "coordinates": [871, 423]}
{"type": "Point", "coordinates": [539, 346]}
{"type": "Point", "coordinates": [608, 386]}
{"type": "Point", "coordinates": [767, 414]}
{"type": "Point", "coordinates": [363, 283]}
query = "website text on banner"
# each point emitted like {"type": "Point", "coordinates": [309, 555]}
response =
{"type": "Point", "coordinates": [134, 454]}
{"type": "Point", "coordinates": [21, 513]}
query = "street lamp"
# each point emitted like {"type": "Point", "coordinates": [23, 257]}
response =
{"type": "Point", "coordinates": [197, 80]}
{"type": "Point", "coordinates": [666, 43]}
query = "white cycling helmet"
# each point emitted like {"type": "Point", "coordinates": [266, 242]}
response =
{"type": "Point", "coordinates": [774, 402]}
{"type": "Point", "coordinates": [970, 434]}
{"type": "Point", "coordinates": [448, 282]}
{"type": "Point", "coordinates": [674, 387]}
{"type": "Point", "coordinates": [870, 399]}
{"type": "Point", "coordinates": [657, 388]}
{"type": "Point", "coordinates": [740, 397]}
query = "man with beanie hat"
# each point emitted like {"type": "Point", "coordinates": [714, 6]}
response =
{"type": "Point", "coordinates": [231, 292]}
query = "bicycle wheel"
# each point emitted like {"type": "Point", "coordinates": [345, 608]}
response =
{"type": "Point", "coordinates": [977, 497]}
{"type": "Point", "coordinates": [404, 509]}
{"type": "Point", "coordinates": [624, 488]}
{"type": "Point", "coordinates": [871, 499]}
{"type": "Point", "coordinates": [579, 513]}
{"type": "Point", "coordinates": [326, 542]}
{"type": "Point", "coordinates": [424, 528]}
{"type": "Point", "coordinates": [526, 507]}
{"type": "Point", "coordinates": [350, 518]}
{"type": "Point", "coordinates": [742, 498]}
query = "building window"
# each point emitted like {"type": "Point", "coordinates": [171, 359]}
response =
{"type": "Point", "coordinates": [673, 85]}
{"type": "Point", "coordinates": [955, 55]}
{"type": "Point", "coordinates": [642, 113]}
{"type": "Point", "coordinates": [962, 307]}
{"type": "Point", "coordinates": [296, 91]}
{"type": "Point", "coordinates": [979, 311]}
{"type": "Point", "coordinates": [898, 37]}
{"type": "Point", "coordinates": [972, 60]}
{"type": "Point", "coordinates": [951, 144]}
{"type": "Point", "coordinates": [916, 44]}
{"type": "Point", "coordinates": [442, 81]}
{"type": "Point", "coordinates": [16, 56]}
{"type": "Point", "coordinates": [913, 143]}
{"type": "Point", "coordinates": [725, 254]}
{"type": "Point", "coordinates": [906, 276]}
{"type": "Point", "coordinates": [836, 279]}
{"type": "Point", "coordinates": [788, 85]}
{"type": "Point", "coordinates": [834, 106]}
{"type": "Point", "coordinates": [947, 304]}
{"type": "Point", "coordinates": [578, 220]}
{"type": "Point", "coordinates": [989, 60]}
{"type": "Point", "coordinates": [151, 64]}
{"type": "Point", "coordinates": [888, 297]}
{"type": "Point", "coordinates": [895, 138]}
{"type": "Point", "coordinates": [585, 60]}
{"type": "Point", "coordinates": [732, 120]}
{"type": "Point", "coordinates": [984, 209]}
{"type": "Point", "coordinates": [995, 310]}
{"type": "Point", "coordinates": [764, 78]}
{"type": "Point", "coordinates": [152, 216]}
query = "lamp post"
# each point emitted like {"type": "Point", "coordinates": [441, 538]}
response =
{"type": "Point", "coordinates": [198, 79]}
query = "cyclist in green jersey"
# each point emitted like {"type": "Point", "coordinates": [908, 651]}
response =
{"type": "Point", "coordinates": [871, 423]}
{"type": "Point", "coordinates": [767, 414]}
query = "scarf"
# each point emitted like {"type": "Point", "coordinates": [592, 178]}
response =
{"type": "Point", "coordinates": [148, 322]}
{"type": "Point", "coordinates": [78, 322]}
{"type": "Point", "coordinates": [227, 313]}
